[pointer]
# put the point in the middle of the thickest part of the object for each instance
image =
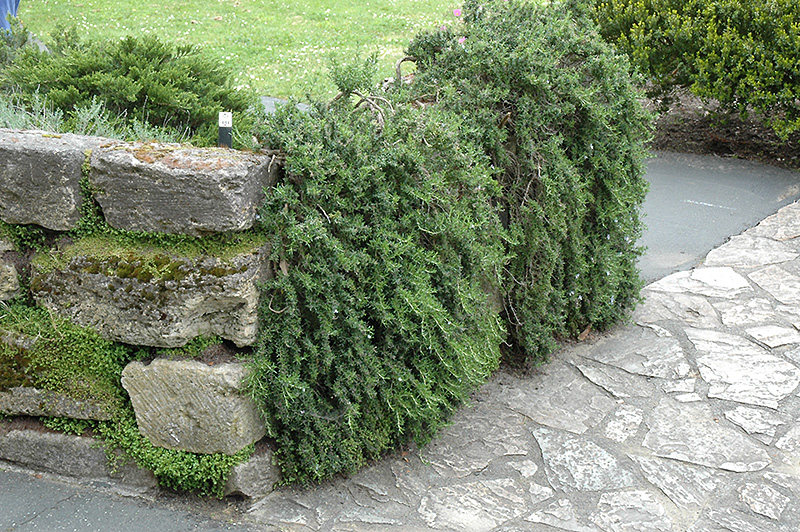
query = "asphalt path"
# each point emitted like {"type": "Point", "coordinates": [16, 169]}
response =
{"type": "Point", "coordinates": [695, 203]}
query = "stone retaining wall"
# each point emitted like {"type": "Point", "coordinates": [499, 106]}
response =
{"type": "Point", "coordinates": [137, 295]}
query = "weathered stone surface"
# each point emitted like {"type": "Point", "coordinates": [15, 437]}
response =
{"type": "Point", "coordinates": [687, 308]}
{"type": "Point", "coordinates": [680, 386]}
{"type": "Point", "coordinates": [187, 405]}
{"type": "Point", "coordinates": [712, 282]}
{"type": "Point", "coordinates": [615, 381]}
{"type": "Point", "coordinates": [569, 402]}
{"type": "Point", "coordinates": [631, 511]}
{"type": "Point", "coordinates": [741, 371]}
{"type": "Point", "coordinates": [472, 443]}
{"type": "Point", "coordinates": [642, 352]}
{"type": "Point", "coordinates": [75, 456]}
{"type": "Point", "coordinates": [764, 500]}
{"type": "Point", "coordinates": [790, 442]}
{"type": "Point", "coordinates": [40, 177]}
{"type": "Point", "coordinates": [23, 401]}
{"type": "Point", "coordinates": [783, 225]}
{"type": "Point", "coordinates": [171, 188]}
{"type": "Point", "coordinates": [782, 285]}
{"type": "Point", "coordinates": [685, 485]}
{"type": "Point", "coordinates": [727, 520]}
{"type": "Point", "coordinates": [740, 314]}
{"type": "Point", "coordinates": [746, 251]}
{"type": "Point", "coordinates": [9, 282]}
{"type": "Point", "coordinates": [254, 478]}
{"type": "Point", "coordinates": [624, 424]}
{"type": "Point", "coordinates": [761, 424]}
{"type": "Point", "coordinates": [561, 515]}
{"type": "Point", "coordinates": [192, 297]}
{"type": "Point", "coordinates": [774, 336]}
{"type": "Point", "coordinates": [475, 506]}
{"type": "Point", "coordinates": [691, 433]}
{"type": "Point", "coordinates": [576, 464]}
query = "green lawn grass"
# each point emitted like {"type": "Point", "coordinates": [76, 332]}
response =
{"type": "Point", "coordinates": [278, 48]}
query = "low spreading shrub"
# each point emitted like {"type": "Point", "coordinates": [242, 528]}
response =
{"type": "Point", "coordinates": [139, 80]}
{"type": "Point", "coordinates": [741, 53]}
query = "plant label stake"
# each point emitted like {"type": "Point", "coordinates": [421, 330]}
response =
{"type": "Point", "coordinates": [225, 129]}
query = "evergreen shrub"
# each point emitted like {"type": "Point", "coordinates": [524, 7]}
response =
{"type": "Point", "coordinates": [142, 80]}
{"type": "Point", "coordinates": [742, 53]}
{"type": "Point", "coordinates": [556, 110]}
{"type": "Point", "coordinates": [511, 166]}
{"type": "Point", "coordinates": [385, 246]}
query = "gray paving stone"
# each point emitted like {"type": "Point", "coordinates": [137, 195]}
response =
{"type": "Point", "coordinates": [568, 401]}
{"type": "Point", "coordinates": [739, 370]}
{"type": "Point", "coordinates": [631, 511]}
{"type": "Point", "coordinates": [473, 441]}
{"type": "Point", "coordinates": [751, 312]}
{"type": "Point", "coordinates": [473, 507]}
{"type": "Point", "coordinates": [687, 486]}
{"type": "Point", "coordinates": [790, 442]}
{"type": "Point", "coordinates": [615, 381]}
{"type": "Point", "coordinates": [783, 225]}
{"type": "Point", "coordinates": [713, 282]}
{"type": "Point", "coordinates": [624, 423]}
{"type": "Point", "coordinates": [576, 464]}
{"type": "Point", "coordinates": [692, 433]}
{"type": "Point", "coordinates": [727, 520]}
{"type": "Point", "coordinates": [680, 386]}
{"type": "Point", "coordinates": [782, 285]}
{"type": "Point", "coordinates": [759, 423]}
{"type": "Point", "coordinates": [562, 515]}
{"type": "Point", "coordinates": [750, 251]}
{"type": "Point", "coordinates": [764, 500]}
{"type": "Point", "coordinates": [641, 351]}
{"type": "Point", "coordinates": [687, 308]}
{"type": "Point", "coordinates": [774, 336]}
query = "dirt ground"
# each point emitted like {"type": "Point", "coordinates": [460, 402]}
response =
{"type": "Point", "coordinates": [692, 126]}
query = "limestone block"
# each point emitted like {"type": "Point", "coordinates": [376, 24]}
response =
{"type": "Point", "coordinates": [75, 456]}
{"type": "Point", "coordinates": [9, 282]}
{"type": "Point", "coordinates": [40, 177]}
{"type": "Point", "coordinates": [171, 188]}
{"type": "Point", "coordinates": [254, 478]}
{"type": "Point", "coordinates": [24, 401]}
{"type": "Point", "coordinates": [161, 302]}
{"type": "Point", "coordinates": [190, 406]}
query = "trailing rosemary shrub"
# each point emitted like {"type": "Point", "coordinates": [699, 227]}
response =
{"type": "Point", "coordinates": [385, 246]}
{"type": "Point", "coordinates": [556, 111]}
{"type": "Point", "coordinates": [388, 233]}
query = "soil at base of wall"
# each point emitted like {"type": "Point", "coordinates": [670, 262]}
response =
{"type": "Point", "coordinates": [694, 126]}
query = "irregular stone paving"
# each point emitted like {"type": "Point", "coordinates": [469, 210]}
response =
{"type": "Point", "coordinates": [688, 419]}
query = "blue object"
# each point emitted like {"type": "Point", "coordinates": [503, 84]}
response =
{"type": "Point", "coordinates": [7, 7]}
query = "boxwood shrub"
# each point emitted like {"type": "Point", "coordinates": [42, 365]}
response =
{"type": "Point", "coordinates": [741, 53]}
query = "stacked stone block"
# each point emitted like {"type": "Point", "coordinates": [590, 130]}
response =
{"type": "Point", "coordinates": [150, 187]}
